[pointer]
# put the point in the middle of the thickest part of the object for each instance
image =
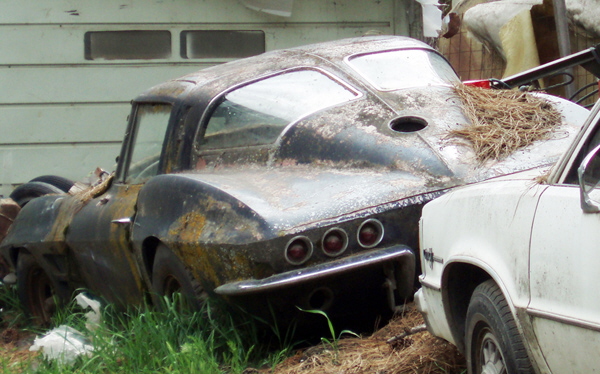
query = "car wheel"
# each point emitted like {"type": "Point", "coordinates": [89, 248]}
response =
{"type": "Point", "coordinates": [170, 277]}
{"type": "Point", "coordinates": [494, 344]}
{"type": "Point", "coordinates": [30, 190]}
{"type": "Point", "coordinates": [61, 183]}
{"type": "Point", "coordinates": [38, 294]}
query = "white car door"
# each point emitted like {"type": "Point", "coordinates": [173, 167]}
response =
{"type": "Point", "coordinates": [565, 281]}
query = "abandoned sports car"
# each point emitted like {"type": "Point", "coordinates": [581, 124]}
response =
{"type": "Point", "coordinates": [293, 179]}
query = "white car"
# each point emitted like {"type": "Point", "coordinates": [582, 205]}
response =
{"type": "Point", "coordinates": [511, 266]}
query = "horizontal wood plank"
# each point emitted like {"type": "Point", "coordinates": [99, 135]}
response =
{"type": "Point", "coordinates": [175, 11]}
{"type": "Point", "coordinates": [84, 123]}
{"type": "Point", "coordinates": [83, 84]}
{"type": "Point", "coordinates": [23, 163]}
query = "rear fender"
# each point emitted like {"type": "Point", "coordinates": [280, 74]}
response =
{"type": "Point", "coordinates": [205, 227]}
{"type": "Point", "coordinates": [38, 226]}
{"type": "Point", "coordinates": [40, 230]}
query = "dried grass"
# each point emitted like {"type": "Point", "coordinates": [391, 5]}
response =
{"type": "Point", "coordinates": [419, 353]}
{"type": "Point", "coordinates": [502, 121]}
{"type": "Point", "coordinates": [15, 356]}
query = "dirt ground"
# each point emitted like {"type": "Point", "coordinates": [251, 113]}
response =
{"type": "Point", "coordinates": [374, 354]}
{"type": "Point", "coordinates": [14, 345]}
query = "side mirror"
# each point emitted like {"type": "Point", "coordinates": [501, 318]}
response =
{"type": "Point", "coordinates": [589, 178]}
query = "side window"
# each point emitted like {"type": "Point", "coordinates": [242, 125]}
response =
{"type": "Point", "coordinates": [256, 114]}
{"type": "Point", "coordinates": [592, 142]}
{"type": "Point", "coordinates": [150, 127]}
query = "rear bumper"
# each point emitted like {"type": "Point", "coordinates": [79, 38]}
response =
{"type": "Point", "coordinates": [428, 301]}
{"type": "Point", "coordinates": [401, 255]}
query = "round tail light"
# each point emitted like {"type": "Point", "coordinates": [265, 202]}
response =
{"type": "Point", "coordinates": [335, 242]}
{"type": "Point", "coordinates": [370, 233]}
{"type": "Point", "coordinates": [298, 250]}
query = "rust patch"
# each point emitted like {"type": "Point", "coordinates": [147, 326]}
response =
{"type": "Point", "coordinates": [93, 191]}
{"type": "Point", "coordinates": [70, 206]}
{"type": "Point", "coordinates": [185, 234]}
{"type": "Point", "coordinates": [127, 198]}
{"type": "Point", "coordinates": [192, 234]}
{"type": "Point", "coordinates": [188, 227]}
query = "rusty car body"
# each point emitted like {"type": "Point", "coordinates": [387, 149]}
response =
{"type": "Point", "coordinates": [294, 178]}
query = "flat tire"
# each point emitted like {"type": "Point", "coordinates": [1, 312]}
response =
{"type": "Point", "coordinates": [24, 193]}
{"type": "Point", "coordinates": [38, 293]}
{"type": "Point", "coordinates": [64, 184]}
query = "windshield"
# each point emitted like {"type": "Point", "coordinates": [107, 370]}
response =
{"type": "Point", "coordinates": [151, 121]}
{"type": "Point", "coordinates": [394, 70]}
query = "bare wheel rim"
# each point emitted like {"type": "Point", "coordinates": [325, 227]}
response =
{"type": "Point", "coordinates": [489, 355]}
{"type": "Point", "coordinates": [173, 290]}
{"type": "Point", "coordinates": [41, 295]}
{"type": "Point", "coordinates": [171, 286]}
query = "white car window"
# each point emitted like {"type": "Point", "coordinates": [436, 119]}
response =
{"type": "Point", "coordinates": [257, 113]}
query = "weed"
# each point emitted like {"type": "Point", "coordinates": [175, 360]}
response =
{"type": "Point", "coordinates": [11, 312]}
{"type": "Point", "coordinates": [334, 342]}
{"type": "Point", "coordinates": [166, 339]}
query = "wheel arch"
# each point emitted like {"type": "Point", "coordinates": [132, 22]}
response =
{"type": "Point", "coordinates": [36, 285]}
{"type": "Point", "coordinates": [148, 252]}
{"type": "Point", "coordinates": [12, 254]}
{"type": "Point", "coordinates": [459, 280]}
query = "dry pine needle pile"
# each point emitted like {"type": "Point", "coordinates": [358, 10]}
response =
{"type": "Point", "coordinates": [503, 121]}
{"type": "Point", "coordinates": [418, 353]}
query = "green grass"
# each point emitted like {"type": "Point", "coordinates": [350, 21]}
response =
{"type": "Point", "coordinates": [158, 341]}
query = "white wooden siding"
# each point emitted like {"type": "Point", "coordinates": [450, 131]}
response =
{"type": "Point", "coordinates": [83, 84]}
{"type": "Point", "coordinates": [62, 123]}
{"type": "Point", "coordinates": [62, 114]}
{"type": "Point", "coordinates": [187, 11]}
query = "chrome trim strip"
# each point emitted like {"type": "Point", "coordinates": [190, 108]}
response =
{"type": "Point", "coordinates": [429, 285]}
{"type": "Point", "coordinates": [563, 319]}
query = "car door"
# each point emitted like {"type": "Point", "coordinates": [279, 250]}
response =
{"type": "Point", "coordinates": [100, 232]}
{"type": "Point", "coordinates": [564, 276]}
{"type": "Point", "coordinates": [565, 281]}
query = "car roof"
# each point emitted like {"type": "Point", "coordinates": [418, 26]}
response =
{"type": "Point", "coordinates": [326, 55]}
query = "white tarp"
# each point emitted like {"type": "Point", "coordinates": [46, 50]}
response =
{"type": "Point", "coordinates": [63, 344]}
{"type": "Point", "coordinates": [432, 18]}
{"type": "Point", "coordinates": [586, 14]}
